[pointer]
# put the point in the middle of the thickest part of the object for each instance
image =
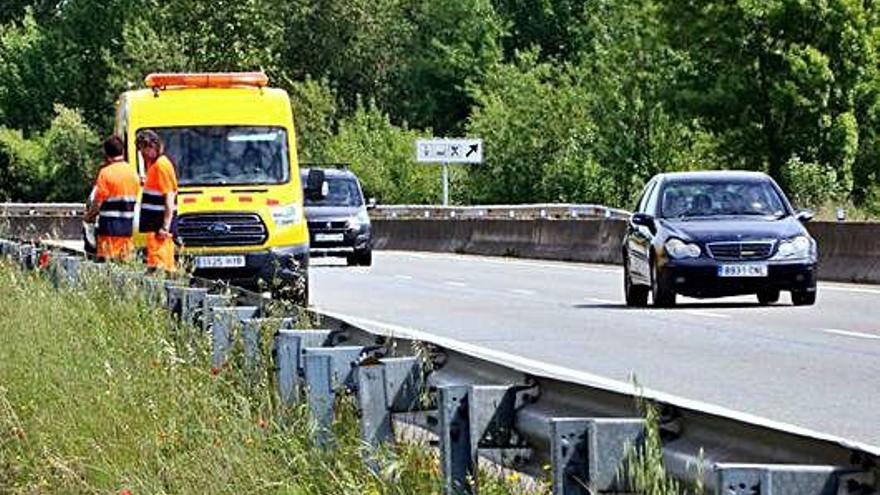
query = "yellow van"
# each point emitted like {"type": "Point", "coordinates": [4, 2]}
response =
{"type": "Point", "coordinates": [240, 205]}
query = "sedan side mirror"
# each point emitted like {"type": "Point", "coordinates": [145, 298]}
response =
{"type": "Point", "coordinates": [371, 204]}
{"type": "Point", "coordinates": [644, 220]}
{"type": "Point", "coordinates": [804, 215]}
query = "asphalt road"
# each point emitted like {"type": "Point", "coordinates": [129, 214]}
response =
{"type": "Point", "coordinates": [812, 367]}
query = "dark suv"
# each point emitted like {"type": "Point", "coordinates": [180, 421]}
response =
{"type": "Point", "coordinates": [337, 215]}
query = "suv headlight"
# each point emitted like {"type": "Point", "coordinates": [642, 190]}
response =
{"type": "Point", "coordinates": [287, 215]}
{"type": "Point", "coordinates": [678, 249]}
{"type": "Point", "coordinates": [359, 220]}
{"type": "Point", "coordinates": [794, 248]}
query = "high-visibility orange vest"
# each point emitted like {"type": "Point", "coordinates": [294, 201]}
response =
{"type": "Point", "coordinates": [116, 190]}
{"type": "Point", "coordinates": [161, 180]}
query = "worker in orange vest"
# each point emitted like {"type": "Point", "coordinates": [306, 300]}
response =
{"type": "Point", "coordinates": [114, 202]}
{"type": "Point", "coordinates": [158, 203]}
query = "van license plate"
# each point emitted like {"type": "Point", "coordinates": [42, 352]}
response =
{"type": "Point", "coordinates": [329, 237]}
{"type": "Point", "coordinates": [220, 261]}
{"type": "Point", "coordinates": [743, 270]}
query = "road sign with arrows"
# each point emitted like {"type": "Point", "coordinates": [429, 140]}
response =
{"type": "Point", "coordinates": [449, 150]}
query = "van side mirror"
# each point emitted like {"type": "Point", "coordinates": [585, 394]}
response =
{"type": "Point", "coordinates": [371, 204]}
{"type": "Point", "coordinates": [804, 215]}
{"type": "Point", "coordinates": [644, 220]}
{"type": "Point", "coordinates": [316, 185]}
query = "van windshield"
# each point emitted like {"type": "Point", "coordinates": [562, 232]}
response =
{"type": "Point", "coordinates": [227, 155]}
{"type": "Point", "coordinates": [340, 192]}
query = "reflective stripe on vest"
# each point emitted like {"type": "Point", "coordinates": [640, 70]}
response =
{"type": "Point", "coordinates": [117, 216]}
{"type": "Point", "coordinates": [152, 210]}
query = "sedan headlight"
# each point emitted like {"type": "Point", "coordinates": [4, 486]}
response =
{"type": "Point", "coordinates": [794, 248]}
{"type": "Point", "coordinates": [678, 249]}
{"type": "Point", "coordinates": [359, 220]}
{"type": "Point", "coordinates": [286, 215]}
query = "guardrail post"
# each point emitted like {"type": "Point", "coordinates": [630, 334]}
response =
{"type": "Point", "coordinates": [250, 332]}
{"type": "Point", "coordinates": [56, 271]}
{"type": "Point", "coordinates": [588, 455]}
{"type": "Point", "coordinates": [327, 368]}
{"type": "Point", "coordinates": [455, 441]}
{"type": "Point", "coordinates": [185, 303]}
{"type": "Point", "coordinates": [287, 351]}
{"type": "Point", "coordinates": [205, 315]}
{"type": "Point", "coordinates": [222, 331]}
{"type": "Point", "coordinates": [393, 385]}
{"type": "Point", "coordinates": [769, 479]}
{"type": "Point", "coordinates": [154, 290]}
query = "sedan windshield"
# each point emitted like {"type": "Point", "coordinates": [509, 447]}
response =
{"type": "Point", "coordinates": [227, 155]}
{"type": "Point", "coordinates": [341, 192]}
{"type": "Point", "coordinates": [717, 198]}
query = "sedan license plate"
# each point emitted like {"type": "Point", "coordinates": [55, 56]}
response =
{"type": "Point", "coordinates": [329, 237]}
{"type": "Point", "coordinates": [228, 261]}
{"type": "Point", "coordinates": [743, 270]}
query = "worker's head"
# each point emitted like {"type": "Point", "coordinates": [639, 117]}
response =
{"type": "Point", "coordinates": [150, 145]}
{"type": "Point", "coordinates": [113, 148]}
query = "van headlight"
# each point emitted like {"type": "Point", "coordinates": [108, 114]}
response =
{"type": "Point", "coordinates": [678, 249]}
{"type": "Point", "coordinates": [359, 220]}
{"type": "Point", "coordinates": [794, 248]}
{"type": "Point", "coordinates": [286, 215]}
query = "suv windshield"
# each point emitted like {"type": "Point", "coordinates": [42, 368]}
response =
{"type": "Point", "coordinates": [341, 192]}
{"type": "Point", "coordinates": [227, 155]}
{"type": "Point", "coordinates": [715, 198]}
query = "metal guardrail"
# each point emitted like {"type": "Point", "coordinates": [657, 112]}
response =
{"type": "Point", "coordinates": [503, 212]}
{"type": "Point", "coordinates": [499, 212]}
{"type": "Point", "coordinates": [41, 209]}
{"type": "Point", "coordinates": [523, 415]}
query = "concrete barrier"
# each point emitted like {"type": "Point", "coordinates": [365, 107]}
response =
{"type": "Point", "coordinates": [848, 252]}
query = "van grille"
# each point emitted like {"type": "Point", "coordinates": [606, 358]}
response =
{"type": "Point", "coordinates": [221, 229]}
{"type": "Point", "coordinates": [732, 251]}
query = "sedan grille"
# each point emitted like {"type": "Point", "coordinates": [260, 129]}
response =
{"type": "Point", "coordinates": [221, 229]}
{"type": "Point", "coordinates": [734, 251]}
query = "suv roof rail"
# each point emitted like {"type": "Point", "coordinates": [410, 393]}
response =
{"type": "Point", "coordinates": [336, 165]}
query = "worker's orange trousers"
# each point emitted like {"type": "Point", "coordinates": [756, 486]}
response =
{"type": "Point", "coordinates": [160, 252]}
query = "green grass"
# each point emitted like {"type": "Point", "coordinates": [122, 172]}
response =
{"type": "Point", "coordinates": [95, 397]}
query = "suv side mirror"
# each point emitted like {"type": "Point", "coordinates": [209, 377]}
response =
{"type": "Point", "coordinates": [316, 185]}
{"type": "Point", "coordinates": [371, 204]}
{"type": "Point", "coordinates": [804, 215]}
{"type": "Point", "coordinates": [644, 220]}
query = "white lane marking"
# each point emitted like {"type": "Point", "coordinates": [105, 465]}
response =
{"type": "Point", "coordinates": [507, 261]}
{"type": "Point", "coordinates": [403, 277]}
{"type": "Point", "coordinates": [601, 301]}
{"type": "Point", "coordinates": [454, 283]}
{"type": "Point", "coordinates": [708, 314]}
{"type": "Point", "coordinates": [847, 333]}
{"type": "Point", "coordinates": [539, 368]}
{"type": "Point", "coordinates": [523, 292]}
{"type": "Point", "coordinates": [841, 288]}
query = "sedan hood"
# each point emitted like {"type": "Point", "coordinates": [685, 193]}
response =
{"type": "Point", "coordinates": [733, 229]}
{"type": "Point", "coordinates": [326, 212]}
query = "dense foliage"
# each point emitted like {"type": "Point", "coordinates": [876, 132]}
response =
{"type": "Point", "coordinates": [577, 100]}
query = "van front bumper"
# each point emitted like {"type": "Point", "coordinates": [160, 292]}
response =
{"type": "Point", "coordinates": [264, 269]}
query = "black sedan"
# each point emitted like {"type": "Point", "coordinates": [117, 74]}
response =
{"type": "Point", "coordinates": [716, 234]}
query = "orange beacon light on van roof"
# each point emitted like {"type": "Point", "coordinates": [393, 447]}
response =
{"type": "Point", "coordinates": [207, 79]}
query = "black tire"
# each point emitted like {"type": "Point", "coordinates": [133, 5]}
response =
{"type": "Point", "coordinates": [803, 298]}
{"type": "Point", "coordinates": [768, 296]}
{"type": "Point", "coordinates": [636, 295]}
{"type": "Point", "coordinates": [360, 258]}
{"type": "Point", "coordinates": [662, 295]}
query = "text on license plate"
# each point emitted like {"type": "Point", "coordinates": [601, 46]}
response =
{"type": "Point", "coordinates": [743, 270]}
{"type": "Point", "coordinates": [227, 261]}
{"type": "Point", "coordinates": [329, 237]}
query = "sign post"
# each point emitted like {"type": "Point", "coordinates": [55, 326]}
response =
{"type": "Point", "coordinates": [449, 151]}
